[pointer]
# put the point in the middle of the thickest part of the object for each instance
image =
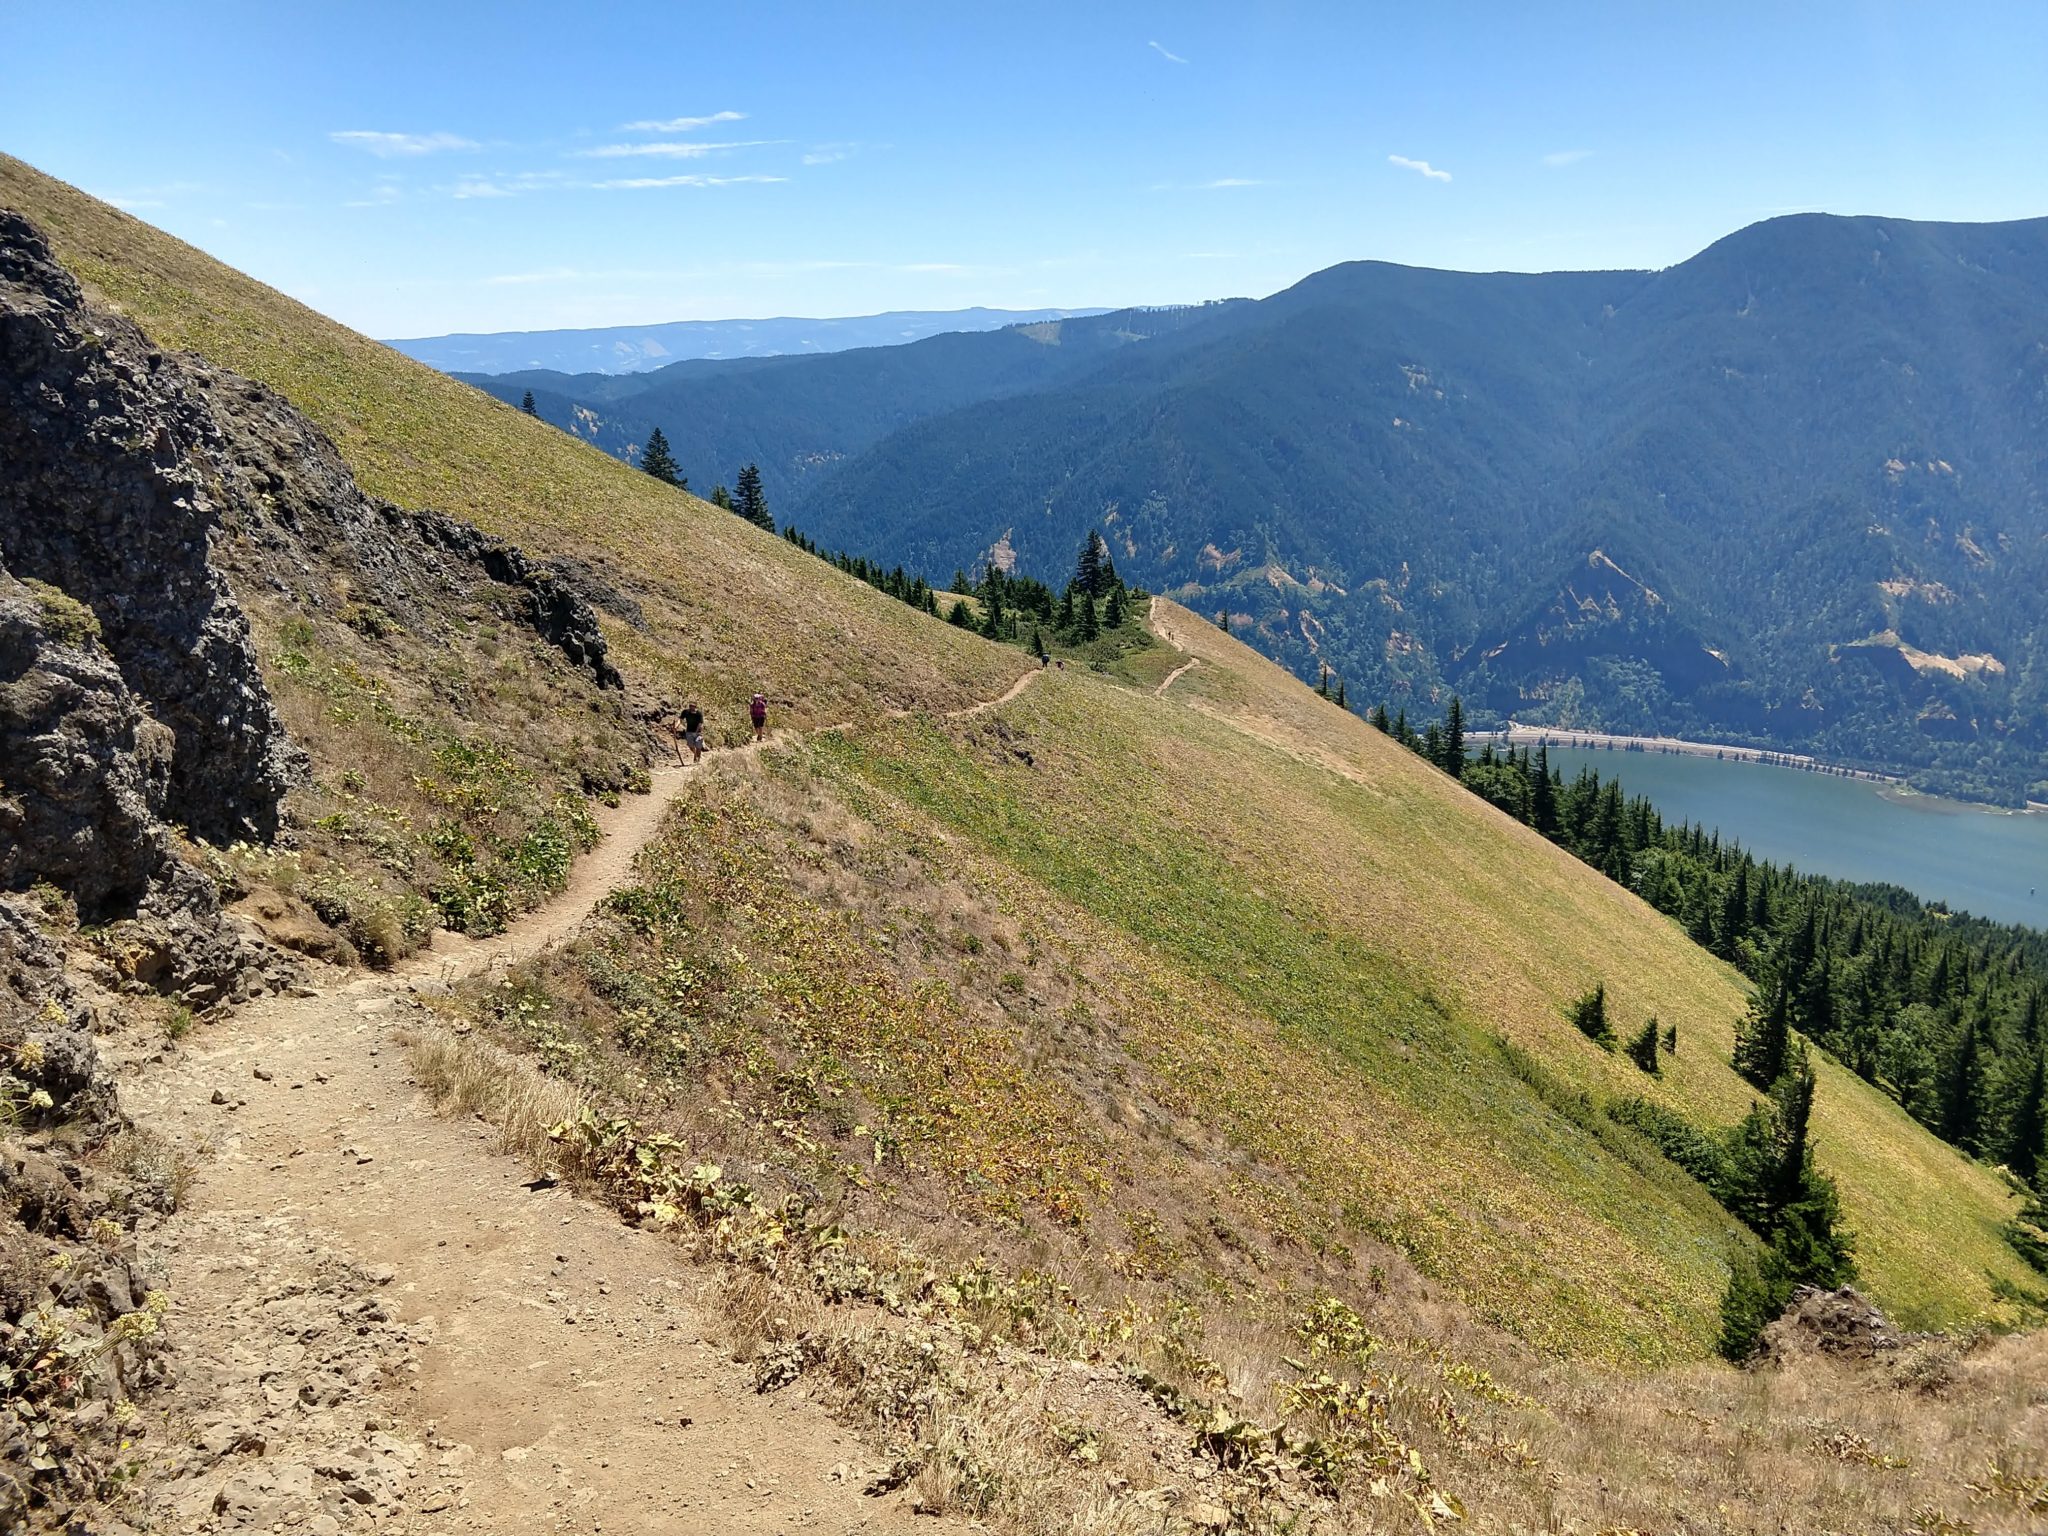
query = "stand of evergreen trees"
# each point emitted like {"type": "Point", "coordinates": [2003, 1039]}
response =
{"type": "Point", "coordinates": [896, 581]}
{"type": "Point", "coordinates": [1018, 610]}
{"type": "Point", "coordinates": [1946, 1013]}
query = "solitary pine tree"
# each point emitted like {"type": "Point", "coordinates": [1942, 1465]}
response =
{"type": "Point", "coordinates": [749, 501]}
{"type": "Point", "coordinates": [1454, 738]}
{"type": "Point", "coordinates": [1340, 694]}
{"type": "Point", "coordinates": [658, 461]}
{"type": "Point", "coordinates": [1589, 1016]}
{"type": "Point", "coordinates": [1323, 678]}
{"type": "Point", "coordinates": [1642, 1047]}
{"type": "Point", "coordinates": [721, 497]}
{"type": "Point", "coordinates": [527, 406]}
{"type": "Point", "coordinates": [1380, 722]}
{"type": "Point", "coordinates": [1223, 620]}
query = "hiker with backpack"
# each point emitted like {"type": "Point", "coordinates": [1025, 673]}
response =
{"type": "Point", "coordinates": [757, 711]}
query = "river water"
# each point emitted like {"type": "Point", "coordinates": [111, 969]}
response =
{"type": "Point", "coordinates": [1990, 862]}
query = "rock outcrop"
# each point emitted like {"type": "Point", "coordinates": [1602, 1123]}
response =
{"type": "Point", "coordinates": [86, 770]}
{"type": "Point", "coordinates": [145, 486]}
{"type": "Point", "coordinates": [107, 495]}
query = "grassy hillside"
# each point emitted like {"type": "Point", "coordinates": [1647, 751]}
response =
{"type": "Point", "coordinates": [727, 610]}
{"type": "Point", "coordinates": [1169, 1004]}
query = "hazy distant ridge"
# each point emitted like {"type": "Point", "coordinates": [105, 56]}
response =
{"type": "Point", "coordinates": [638, 348]}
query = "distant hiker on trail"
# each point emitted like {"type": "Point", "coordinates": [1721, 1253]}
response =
{"type": "Point", "coordinates": [758, 713]}
{"type": "Point", "coordinates": [693, 732]}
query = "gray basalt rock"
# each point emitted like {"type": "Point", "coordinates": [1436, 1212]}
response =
{"type": "Point", "coordinates": [107, 492]}
{"type": "Point", "coordinates": [84, 773]}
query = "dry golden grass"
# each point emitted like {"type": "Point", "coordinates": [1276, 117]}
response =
{"type": "Point", "coordinates": [466, 1076]}
{"type": "Point", "coordinates": [729, 609]}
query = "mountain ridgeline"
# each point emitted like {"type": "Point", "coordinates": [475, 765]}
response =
{"type": "Point", "coordinates": [638, 348]}
{"type": "Point", "coordinates": [1789, 492]}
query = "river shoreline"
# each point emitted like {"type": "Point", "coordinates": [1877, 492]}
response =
{"type": "Point", "coordinates": [1891, 787]}
{"type": "Point", "coordinates": [1516, 735]}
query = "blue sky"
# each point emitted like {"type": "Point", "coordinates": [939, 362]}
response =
{"type": "Point", "coordinates": [421, 167]}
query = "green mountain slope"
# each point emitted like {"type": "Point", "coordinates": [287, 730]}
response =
{"type": "Point", "coordinates": [1213, 983]}
{"type": "Point", "coordinates": [798, 421]}
{"type": "Point", "coordinates": [1813, 450]}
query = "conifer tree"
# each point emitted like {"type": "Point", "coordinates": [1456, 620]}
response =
{"type": "Point", "coordinates": [1962, 1091]}
{"type": "Point", "coordinates": [1084, 610]}
{"type": "Point", "coordinates": [1763, 1040]}
{"type": "Point", "coordinates": [1454, 738]}
{"type": "Point", "coordinates": [1543, 796]}
{"type": "Point", "coordinates": [1433, 744]}
{"type": "Point", "coordinates": [658, 461]}
{"type": "Point", "coordinates": [749, 501]}
{"type": "Point", "coordinates": [1340, 694]}
{"type": "Point", "coordinates": [1223, 620]}
{"type": "Point", "coordinates": [1734, 917]}
{"type": "Point", "coordinates": [527, 404]}
{"type": "Point", "coordinates": [1642, 1047]}
{"type": "Point", "coordinates": [2026, 1126]}
{"type": "Point", "coordinates": [1323, 678]}
{"type": "Point", "coordinates": [1089, 574]}
{"type": "Point", "coordinates": [721, 497]}
{"type": "Point", "coordinates": [1113, 610]}
{"type": "Point", "coordinates": [1589, 1016]}
{"type": "Point", "coordinates": [1380, 722]}
{"type": "Point", "coordinates": [1038, 643]}
{"type": "Point", "coordinates": [960, 618]}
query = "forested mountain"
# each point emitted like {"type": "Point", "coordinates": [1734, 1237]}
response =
{"type": "Point", "coordinates": [625, 349]}
{"type": "Point", "coordinates": [801, 417]}
{"type": "Point", "coordinates": [1787, 492]}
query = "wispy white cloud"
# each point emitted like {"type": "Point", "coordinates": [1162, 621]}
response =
{"type": "Point", "coordinates": [142, 198]}
{"type": "Point", "coordinates": [1165, 53]}
{"type": "Point", "coordinates": [397, 146]}
{"type": "Point", "coordinates": [1559, 158]}
{"type": "Point", "coordinates": [681, 124]}
{"type": "Point", "coordinates": [669, 149]}
{"type": "Point", "coordinates": [1420, 167]}
{"type": "Point", "coordinates": [830, 154]}
{"type": "Point", "coordinates": [637, 183]}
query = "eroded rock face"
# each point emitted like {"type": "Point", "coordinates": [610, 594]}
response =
{"type": "Point", "coordinates": [86, 772]}
{"type": "Point", "coordinates": [106, 495]}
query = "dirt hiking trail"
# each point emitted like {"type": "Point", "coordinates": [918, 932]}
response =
{"type": "Point", "coordinates": [379, 1324]}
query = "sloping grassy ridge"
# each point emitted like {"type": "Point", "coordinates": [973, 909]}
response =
{"type": "Point", "coordinates": [727, 609]}
{"type": "Point", "coordinates": [1300, 993]}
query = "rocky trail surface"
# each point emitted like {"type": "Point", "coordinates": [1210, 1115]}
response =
{"type": "Point", "coordinates": [379, 1324]}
